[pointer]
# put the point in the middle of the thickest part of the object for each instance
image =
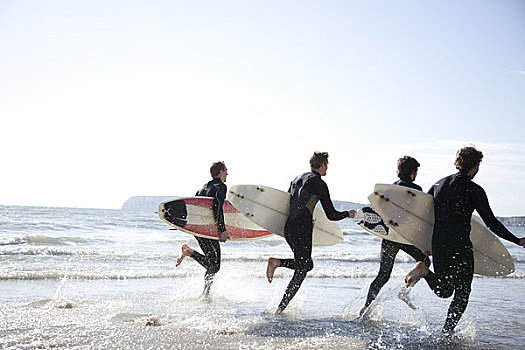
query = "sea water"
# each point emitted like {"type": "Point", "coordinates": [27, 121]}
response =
{"type": "Point", "coordinates": [106, 279]}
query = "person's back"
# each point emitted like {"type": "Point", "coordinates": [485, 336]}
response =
{"type": "Point", "coordinates": [454, 198]}
{"type": "Point", "coordinates": [407, 182]}
{"type": "Point", "coordinates": [302, 201]}
{"type": "Point", "coordinates": [212, 188]}
{"type": "Point", "coordinates": [215, 189]}
{"type": "Point", "coordinates": [306, 190]}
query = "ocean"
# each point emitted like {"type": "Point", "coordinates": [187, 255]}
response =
{"type": "Point", "coordinates": [106, 279]}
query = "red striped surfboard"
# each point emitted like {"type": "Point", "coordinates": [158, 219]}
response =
{"type": "Point", "coordinates": [194, 215]}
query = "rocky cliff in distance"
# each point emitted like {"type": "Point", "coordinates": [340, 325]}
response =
{"type": "Point", "coordinates": [145, 203]}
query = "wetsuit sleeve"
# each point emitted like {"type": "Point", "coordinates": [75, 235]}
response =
{"type": "Point", "coordinates": [326, 202]}
{"type": "Point", "coordinates": [218, 201]}
{"type": "Point", "coordinates": [481, 204]}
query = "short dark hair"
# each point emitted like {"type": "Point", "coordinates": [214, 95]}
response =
{"type": "Point", "coordinates": [216, 168]}
{"type": "Point", "coordinates": [468, 158]}
{"type": "Point", "coordinates": [318, 159]}
{"type": "Point", "coordinates": [406, 165]}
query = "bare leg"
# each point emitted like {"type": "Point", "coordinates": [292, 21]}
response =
{"type": "Point", "coordinates": [273, 263]}
{"type": "Point", "coordinates": [186, 251]}
{"type": "Point", "coordinates": [414, 275]}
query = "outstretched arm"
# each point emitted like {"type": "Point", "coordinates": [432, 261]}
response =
{"type": "Point", "coordinates": [484, 210]}
{"type": "Point", "coordinates": [328, 206]}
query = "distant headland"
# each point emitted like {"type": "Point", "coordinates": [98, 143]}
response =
{"type": "Point", "coordinates": [145, 203]}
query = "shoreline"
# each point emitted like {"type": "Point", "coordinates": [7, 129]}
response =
{"type": "Point", "coordinates": [143, 314]}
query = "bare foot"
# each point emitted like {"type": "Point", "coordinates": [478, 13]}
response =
{"type": "Point", "coordinates": [278, 311]}
{"type": "Point", "coordinates": [403, 295]}
{"type": "Point", "coordinates": [363, 311]}
{"type": "Point", "coordinates": [186, 251]}
{"type": "Point", "coordinates": [270, 269]}
{"type": "Point", "coordinates": [414, 275]}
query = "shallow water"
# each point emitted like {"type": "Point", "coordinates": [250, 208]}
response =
{"type": "Point", "coordinates": [93, 279]}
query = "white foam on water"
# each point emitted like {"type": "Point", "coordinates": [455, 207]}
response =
{"type": "Point", "coordinates": [14, 239]}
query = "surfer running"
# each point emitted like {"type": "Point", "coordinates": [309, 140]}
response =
{"type": "Point", "coordinates": [211, 260]}
{"type": "Point", "coordinates": [455, 198]}
{"type": "Point", "coordinates": [406, 171]}
{"type": "Point", "coordinates": [306, 190]}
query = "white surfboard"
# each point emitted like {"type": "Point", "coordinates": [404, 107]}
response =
{"type": "Point", "coordinates": [269, 207]}
{"type": "Point", "coordinates": [373, 223]}
{"type": "Point", "coordinates": [411, 213]}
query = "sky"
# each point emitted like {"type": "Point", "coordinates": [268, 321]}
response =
{"type": "Point", "coordinates": [104, 100]}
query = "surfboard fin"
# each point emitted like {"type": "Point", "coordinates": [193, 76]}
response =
{"type": "Point", "coordinates": [237, 194]}
{"type": "Point", "coordinates": [382, 196]}
{"type": "Point", "coordinates": [393, 223]}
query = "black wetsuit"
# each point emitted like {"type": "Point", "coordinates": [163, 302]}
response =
{"type": "Point", "coordinates": [211, 259]}
{"type": "Point", "coordinates": [455, 199]}
{"type": "Point", "coordinates": [306, 190]}
{"type": "Point", "coordinates": [389, 250]}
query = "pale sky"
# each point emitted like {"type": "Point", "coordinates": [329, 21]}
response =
{"type": "Point", "coordinates": [103, 100]}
